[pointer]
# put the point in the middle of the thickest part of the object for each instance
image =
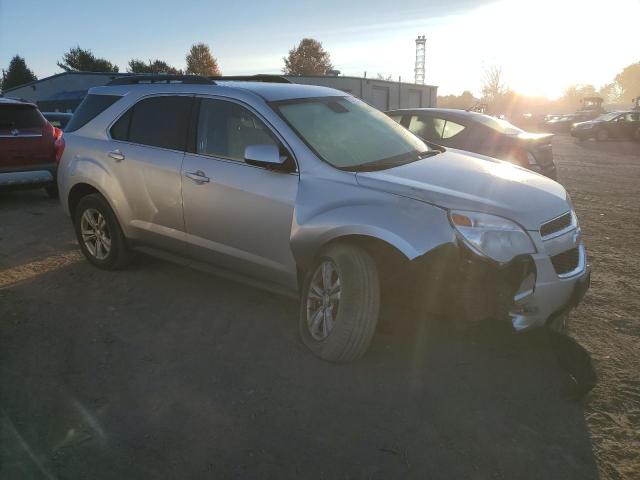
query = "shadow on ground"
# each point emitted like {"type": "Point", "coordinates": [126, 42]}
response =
{"type": "Point", "coordinates": [163, 372]}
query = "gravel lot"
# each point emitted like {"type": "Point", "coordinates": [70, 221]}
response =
{"type": "Point", "coordinates": [160, 371]}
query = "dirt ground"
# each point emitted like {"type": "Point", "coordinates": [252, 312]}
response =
{"type": "Point", "coordinates": [161, 372]}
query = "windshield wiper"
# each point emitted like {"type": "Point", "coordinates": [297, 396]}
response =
{"type": "Point", "coordinates": [385, 164]}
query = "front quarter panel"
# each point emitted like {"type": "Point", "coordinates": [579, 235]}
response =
{"type": "Point", "coordinates": [328, 209]}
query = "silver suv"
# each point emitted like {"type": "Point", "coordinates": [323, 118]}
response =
{"type": "Point", "coordinates": [311, 191]}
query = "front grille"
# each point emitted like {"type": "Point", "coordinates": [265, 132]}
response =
{"type": "Point", "coordinates": [556, 225]}
{"type": "Point", "coordinates": [566, 262]}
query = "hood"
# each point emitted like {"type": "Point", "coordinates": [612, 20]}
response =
{"type": "Point", "coordinates": [466, 181]}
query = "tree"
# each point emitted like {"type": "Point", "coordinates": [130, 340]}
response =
{"type": "Point", "coordinates": [17, 74]}
{"type": "Point", "coordinates": [155, 66]}
{"type": "Point", "coordinates": [628, 82]}
{"type": "Point", "coordinates": [308, 58]}
{"type": "Point", "coordinates": [493, 86]}
{"type": "Point", "coordinates": [201, 62]}
{"type": "Point", "coordinates": [80, 60]}
{"type": "Point", "coordinates": [381, 76]}
{"type": "Point", "coordinates": [464, 101]}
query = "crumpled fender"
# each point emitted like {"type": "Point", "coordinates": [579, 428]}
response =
{"type": "Point", "coordinates": [410, 226]}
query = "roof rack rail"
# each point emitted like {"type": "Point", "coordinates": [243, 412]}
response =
{"type": "Point", "coordinates": [261, 77]}
{"type": "Point", "coordinates": [161, 78]}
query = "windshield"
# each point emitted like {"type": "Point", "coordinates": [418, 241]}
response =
{"type": "Point", "coordinates": [607, 116]}
{"type": "Point", "coordinates": [499, 125]}
{"type": "Point", "coordinates": [351, 135]}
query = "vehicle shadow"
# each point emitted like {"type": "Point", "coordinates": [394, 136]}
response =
{"type": "Point", "coordinates": [164, 372]}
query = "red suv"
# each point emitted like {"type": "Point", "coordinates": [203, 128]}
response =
{"type": "Point", "coordinates": [30, 147]}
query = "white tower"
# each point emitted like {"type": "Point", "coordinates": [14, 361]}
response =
{"type": "Point", "coordinates": [421, 42]}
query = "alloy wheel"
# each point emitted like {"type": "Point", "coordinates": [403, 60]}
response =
{"type": "Point", "coordinates": [95, 233]}
{"type": "Point", "coordinates": [323, 299]}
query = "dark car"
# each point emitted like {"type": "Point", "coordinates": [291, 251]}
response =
{"type": "Point", "coordinates": [30, 147]}
{"type": "Point", "coordinates": [610, 125]}
{"type": "Point", "coordinates": [58, 119]}
{"type": "Point", "coordinates": [479, 133]}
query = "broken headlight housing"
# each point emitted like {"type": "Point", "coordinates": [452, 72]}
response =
{"type": "Point", "coordinates": [492, 236]}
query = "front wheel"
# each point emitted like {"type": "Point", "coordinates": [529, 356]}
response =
{"type": "Point", "coordinates": [340, 304]}
{"type": "Point", "coordinates": [99, 234]}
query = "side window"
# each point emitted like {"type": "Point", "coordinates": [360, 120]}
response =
{"type": "Point", "coordinates": [90, 108]}
{"type": "Point", "coordinates": [226, 128]}
{"type": "Point", "coordinates": [157, 121]}
{"type": "Point", "coordinates": [120, 129]}
{"type": "Point", "coordinates": [451, 129]}
{"type": "Point", "coordinates": [429, 128]}
{"type": "Point", "coordinates": [396, 118]}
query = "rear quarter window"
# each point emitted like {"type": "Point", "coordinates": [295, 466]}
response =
{"type": "Point", "coordinates": [20, 117]}
{"type": "Point", "coordinates": [90, 108]}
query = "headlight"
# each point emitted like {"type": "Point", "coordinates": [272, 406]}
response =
{"type": "Point", "coordinates": [492, 236]}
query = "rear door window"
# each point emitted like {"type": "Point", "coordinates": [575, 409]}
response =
{"type": "Point", "coordinates": [451, 129]}
{"type": "Point", "coordinates": [434, 128]}
{"type": "Point", "coordinates": [429, 128]}
{"type": "Point", "coordinates": [157, 121]}
{"type": "Point", "coordinates": [90, 108]}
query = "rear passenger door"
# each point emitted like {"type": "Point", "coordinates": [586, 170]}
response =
{"type": "Point", "coordinates": [237, 215]}
{"type": "Point", "coordinates": [146, 157]}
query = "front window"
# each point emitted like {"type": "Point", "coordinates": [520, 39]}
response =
{"type": "Point", "coordinates": [351, 135]}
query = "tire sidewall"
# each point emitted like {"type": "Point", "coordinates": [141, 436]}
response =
{"type": "Point", "coordinates": [97, 202]}
{"type": "Point", "coordinates": [347, 318]}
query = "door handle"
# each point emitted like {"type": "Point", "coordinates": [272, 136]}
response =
{"type": "Point", "coordinates": [198, 176]}
{"type": "Point", "coordinates": [117, 155]}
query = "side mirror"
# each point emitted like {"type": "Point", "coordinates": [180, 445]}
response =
{"type": "Point", "coordinates": [267, 156]}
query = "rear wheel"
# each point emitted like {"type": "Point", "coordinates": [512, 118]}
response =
{"type": "Point", "coordinates": [602, 135]}
{"type": "Point", "coordinates": [99, 234]}
{"type": "Point", "coordinates": [340, 304]}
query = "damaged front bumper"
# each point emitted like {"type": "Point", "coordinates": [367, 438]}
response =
{"type": "Point", "coordinates": [528, 291]}
{"type": "Point", "coordinates": [551, 294]}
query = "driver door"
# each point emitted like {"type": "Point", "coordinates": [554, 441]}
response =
{"type": "Point", "coordinates": [237, 216]}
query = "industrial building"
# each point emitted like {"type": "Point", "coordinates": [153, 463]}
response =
{"type": "Point", "coordinates": [64, 92]}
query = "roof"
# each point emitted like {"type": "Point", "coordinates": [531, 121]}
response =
{"type": "Point", "coordinates": [271, 92]}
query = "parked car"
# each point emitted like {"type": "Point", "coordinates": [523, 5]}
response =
{"type": "Point", "coordinates": [308, 190]}
{"type": "Point", "coordinates": [480, 133]}
{"type": "Point", "coordinates": [58, 119]}
{"type": "Point", "coordinates": [610, 125]}
{"type": "Point", "coordinates": [563, 123]}
{"type": "Point", "coordinates": [30, 147]}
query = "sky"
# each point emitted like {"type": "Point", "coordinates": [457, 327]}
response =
{"type": "Point", "coordinates": [543, 46]}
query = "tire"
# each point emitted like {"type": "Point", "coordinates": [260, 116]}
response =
{"type": "Point", "coordinates": [111, 256]}
{"type": "Point", "coordinates": [602, 135]}
{"type": "Point", "coordinates": [52, 190]}
{"type": "Point", "coordinates": [346, 325]}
